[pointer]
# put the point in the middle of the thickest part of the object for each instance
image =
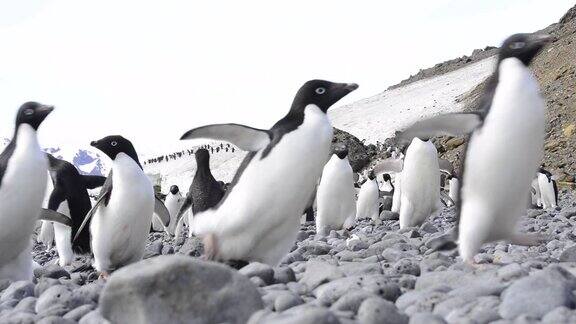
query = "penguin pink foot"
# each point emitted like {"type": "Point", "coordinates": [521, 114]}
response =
{"type": "Point", "coordinates": [104, 275]}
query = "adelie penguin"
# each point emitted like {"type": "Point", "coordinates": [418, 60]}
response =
{"type": "Point", "coordinates": [23, 179]}
{"type": "Point", "coordinates": [504, 149]}
{"type": "Point", "coordinates": [205, 192]}
{"type": "Point", "coordinates": [173, 203]}
{"type": "Point", "coordinates": [123, 212]}
{"type": "Point", "coordinates": [258, 218]}
{"type": "Point", "coordinates": [68, 195]}
{"type": "Point", "coordinates": [548, 189]}
{"type": "Point", "coordinates": [336, 193]}
{"type": "Point", "coordinates": [367, 205]}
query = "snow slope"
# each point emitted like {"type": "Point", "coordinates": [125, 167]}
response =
{"type": "Point", "coordinates": [378, 117]}
{"type": "Point", "coordinates": [181, 171]}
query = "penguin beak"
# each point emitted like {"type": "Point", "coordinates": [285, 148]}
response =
{"type": "Point", "coordinates": [43, 111]}
{"type": "Point", "coordinates": [350, 86]}
{"type": "Point", "coordinates": [541, 39]}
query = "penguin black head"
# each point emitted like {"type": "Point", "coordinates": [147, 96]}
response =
{"type": "Point", "coordinates": [33, 114]}
{"type": "Point", "coordinates": [386, 177]}
{"type": "Point", "coordinates": [523, 47]}
{"type": "Point", "coordinates": [114, 145]}
{"type": "Point", "coordinates": [371, 175]}
{"type": "Point", "coordinates": [321, 93]}
{"type": "Point", "coordinates": [202, 157]}
{"type": "Point", "coordinates": [341, 152]}
{"type": "Point", "coordinates": [174, 189]}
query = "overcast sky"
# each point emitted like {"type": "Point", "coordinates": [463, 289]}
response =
{"type": "Point", "coordinates": [150, 70]}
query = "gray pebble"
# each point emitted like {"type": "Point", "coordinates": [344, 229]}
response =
{"type": "Point", "coordinates": [426, 318]}
{"type": "Point", "coordinates": [55, 320]}
{"type": "Point", "coordinates": [260, 270]}
{"type": "Point", "coordinates": [77, 313]}
{"type": "Point", "coordinates": [18, 290]}
{"type": "Point", "coordinates": [380, 311]}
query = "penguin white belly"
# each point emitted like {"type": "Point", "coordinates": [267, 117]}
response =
{"type": "Point", "coordinates": [397, 193]}
{"type": "Point", "coordinates": [501, 160]}
{"type": "Point", "coordinates": [63, 238]}
{"type": "Point", "coordinates": [21, 195]}
{"type": "Point", "coordinates": [454, 187]}
{"type": "Point", "coordinates": [546, 191]}
{"type": "Point", "coordinates": [420, 183]}
{"type": "Point", "coordinates": [173, 204]}
{"type": "Point", "coordinates": [335, 196]}
{"type": "Point", "coordinates": [367, 206]}
{"type": "Point", "coordinates": [536, 197]}
{"type": "Point", "coordinates": [119, 230]}
{"type": "Point", "coordinates": [271, 195]}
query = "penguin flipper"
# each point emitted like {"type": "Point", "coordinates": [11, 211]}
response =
{"type": "Point", "coordinates": [455, 124]}
{"type": "Point", "coordinates": [104, 196]}
{"type": "Point", "coordinates": [244, 137]}
{"type": "Point", "coordinates": [161, 210]}
{"type": "Point", "coordinates": [52, 216]}
{"type": "Point", "coordinates": [445, 199]}
{"type": "Point", "coordinates": [389, 165]}
{"type": "Point", "coordinates": [93, 182]}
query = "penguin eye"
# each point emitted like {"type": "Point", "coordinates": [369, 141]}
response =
{"type": "Point", "coordinates": [29, 112]}
{"type": "Point", "coordinates": [113, 143]}
{"type": "Point", "coordinates": [320, 90]}
{"type": "Point", "coordinates": [517, 45]}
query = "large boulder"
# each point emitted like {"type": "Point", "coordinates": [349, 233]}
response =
{"type": "Point", "coordinates": [179, 289]}
{"type": "Point", "coordinates": [359, 155]}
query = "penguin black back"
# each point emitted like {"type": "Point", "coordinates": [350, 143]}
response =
{"type": "Point", "coordinates": [205, 190]}
{"type": "Point", "coordinates": [71, 186]}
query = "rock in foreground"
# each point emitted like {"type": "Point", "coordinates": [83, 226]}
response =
{"type": "Point", "coordinates": [177, 289]}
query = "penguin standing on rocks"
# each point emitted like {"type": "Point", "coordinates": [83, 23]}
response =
{"type": "Point", "coordinates": [205, 192]}
{"type": "Point", "coordinates": [336, 206]}
{"type": "Point", "coordinates": [123, 213]}
{"type": "Point", "coordinates": [420, 183]}
{"type": "Point", "coordinates": [68, 195]}
{"type": "Point", "coordinates": [453, 187]}
{"type": "Point", "coordinates": [257, 220]}
{"type": "Point", "coordinates": [506, 143]}
{"type": "Point", "coordinates": [367, 205]}
{"type": "Point", "coordinates": [173, 203]}
{"type": "Point", "coordinates": [548, 189]}
{"type": "Point", "coordinates": [23, 179]}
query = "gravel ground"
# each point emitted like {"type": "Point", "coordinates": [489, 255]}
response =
{"type": "Point", "coordinates": [375, 273]}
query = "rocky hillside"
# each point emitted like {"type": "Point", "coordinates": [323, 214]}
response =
{"type": "Point", "coordinates": [555, 69]}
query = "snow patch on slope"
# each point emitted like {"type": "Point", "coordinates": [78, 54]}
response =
{"type": "Point", "coordinates": [379, 117]}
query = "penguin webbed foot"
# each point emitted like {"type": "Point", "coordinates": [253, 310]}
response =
{"type": "Point", "coordinates": [104, 275]}
{"type": "Point", "coordinates": [529, 239]}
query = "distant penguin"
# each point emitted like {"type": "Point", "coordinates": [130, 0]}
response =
{"type": "Point", "coordinates": [367, 205]}
{"type": "Point", "coordinates": [258, 218]}
{"type": "Point", "coordinates": [23, 179]}
{"type": "Point", "coordinates": [453, 188]}
{"type": "Point", "coordinates": [420, 183]}
{"type": "Point", "coordinates": [123, 213]}
{"type": "Point", "coordinates": [68, 194]}
{"type": "Point", "coordinates": [536, 197]}
{"type": "Point", "coordinates": [504, 150]}
{"type": "Point", "coordinates": [387, 186]}
{"type": "Point", "coordinates": [548, 189]}
{"type": "Point", "coordinates": [336, 205]}
{"type": "Point", "coordinates": [46, 234]}
{"type": "Point", "coordinates": [173, 202]}
{"type": "Point", "coordinates": [397, 194]}
{"type": "Point", "coordinates": [205, 192]}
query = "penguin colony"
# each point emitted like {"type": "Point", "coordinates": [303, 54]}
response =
{"type": "Point", "coordinates": [288, 170]}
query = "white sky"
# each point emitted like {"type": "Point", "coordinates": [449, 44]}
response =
{"type": "Point", "coordinates": [150, 70]}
